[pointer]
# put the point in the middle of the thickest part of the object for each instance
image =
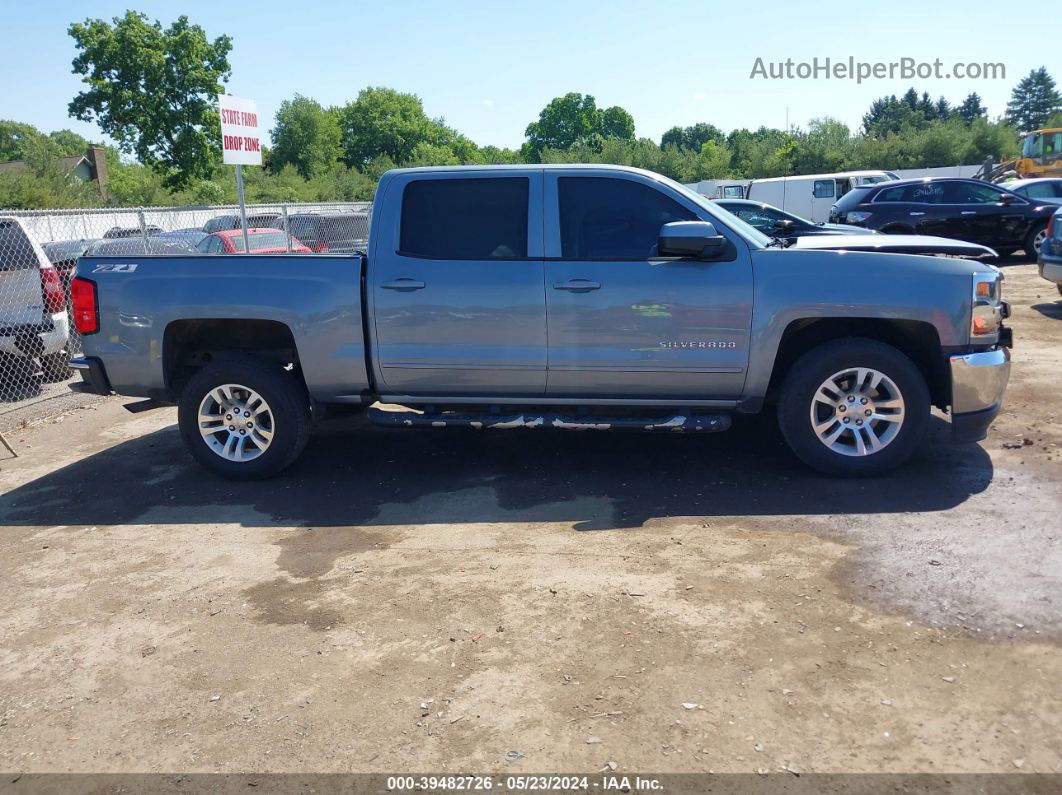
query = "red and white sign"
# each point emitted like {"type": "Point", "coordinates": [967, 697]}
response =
{"type": "Point", "coordinates": [240, 141]}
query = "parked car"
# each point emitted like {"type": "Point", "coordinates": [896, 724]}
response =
{"type": "Point", "coordinates": [1050, 259]}
{"type": "Point", "coordinates": [662, 312]}
{"type": "Point", "coordinates": [787, 226]}
{"type": "Point", "coordinates": [964, 209]}
{"type": "Point", "coordinates": [1048, 189]}
{"type": "Point", "coordinates": [811, 195]}
{"type": "Point", "coordinates": [153, 245]}
{"type": "Point", "coordinates": [261, 241]}
{"type": "Point", "coordinates": [222, 223]}
{"type": "Point", "coordinates": [339, 233]}
{"type": "Point", "coordinates": [131, 231]}
{"type": "Point", "coordinates": [63, 255]}
{"type": "Point", "coordinates": [33, 319]}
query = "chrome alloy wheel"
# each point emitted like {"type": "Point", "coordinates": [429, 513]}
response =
{"type": "Point", "coordinates": [236, 422]}
{"type": "Point", "coordinates": [857, 412]}
{"type": "Point", "coordinates": [1038, 241]}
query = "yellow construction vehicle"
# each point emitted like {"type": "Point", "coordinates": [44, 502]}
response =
{"type": "Point", "coordinates": [1041, 156]}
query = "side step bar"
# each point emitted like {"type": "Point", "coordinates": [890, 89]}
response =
{"type": "Point", "coordinates": [676, 423]}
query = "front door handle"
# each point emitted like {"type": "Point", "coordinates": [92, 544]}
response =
{"type": "Point", "coordinates": [969, 212]}
{"type": "Point", "coordinates": [917, 213]}
{"type": "Point", "coordinates": [577, 285]}
{"type": "Point", "coordinates": [403, 284]}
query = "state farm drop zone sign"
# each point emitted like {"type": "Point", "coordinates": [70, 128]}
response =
{"type": "Point", "coordinates": [240, 140]}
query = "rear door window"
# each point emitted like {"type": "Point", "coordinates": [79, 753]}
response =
{"type": "Point", "coordinates": [603, 218]}
{"type": "Point", "coordinates": [16, 251]}
{"type": "Point", "coordinates": [465, 219]}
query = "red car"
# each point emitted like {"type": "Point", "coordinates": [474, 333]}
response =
{"type": "Point", "coordinates": [262, 241]}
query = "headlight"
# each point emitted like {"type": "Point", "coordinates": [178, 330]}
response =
{"type": "Point", "coordinates": [987, 316]}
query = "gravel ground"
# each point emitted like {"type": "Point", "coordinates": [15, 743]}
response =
{"type": "Point", "coordinates": [436, 601]}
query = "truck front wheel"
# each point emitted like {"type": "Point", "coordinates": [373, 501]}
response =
{"type": "Point", "coordinates": [244, 418]}
{"type": "Point", "coordinates": [853, 408]}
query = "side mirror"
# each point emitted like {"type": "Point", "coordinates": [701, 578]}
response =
{"type": "Point", "coordinates": [784, 226]}
{"type": "Point", "coordinates": [690, 239]}
{"type": "Point", "coordinates": [1007, 198]}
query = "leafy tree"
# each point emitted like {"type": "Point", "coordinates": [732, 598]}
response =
{"type": "Point", "coordinates": [384, 122]}
{"type": "Point", "coordinates": [576, 117]}
{"type": "Point", "coordinates": [714, 160]}
{"type": "Point", "coordinates": [1033, 100]}
{"type": "Point", "coordinates": [306, 136]}
{"type": "Point", "coordinates": [692, 138]}
{"type": "Point", "coordinates": [972, 108]}
{"type": "Point", "coordinates": [153, 91]}
{"type": "Point", "coordinates": [68, 142]}
{"type": "Point", "coordinates": [17, 140]}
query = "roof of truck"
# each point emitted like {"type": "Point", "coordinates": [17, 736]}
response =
{"type": "Point", "coordinates": [528, 167]}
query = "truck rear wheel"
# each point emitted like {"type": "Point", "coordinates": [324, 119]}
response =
{"type": "Point", "coordinates": [244, 418]}
{"type": "Point", "coordinates": [853, 408]}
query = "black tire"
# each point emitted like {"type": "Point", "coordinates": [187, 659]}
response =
{"type": "Point", "coordinates": [56, 367]}
{"type": "Point", "coordinates": [1059, 286]}
{"type": "Point", "coordinates": [289, 408]}
{"type": "Point", "coordinates": [1030, 238]}
{"type": "Point", "coordinates": [819, 364]}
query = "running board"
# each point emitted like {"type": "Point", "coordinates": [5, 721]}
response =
{"type": "Point", "coordinates": [676, 423]}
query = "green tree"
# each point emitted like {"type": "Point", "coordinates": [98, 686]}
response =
{"type": "Point", "coordinates": [714, 160]}
{"type": "Point", "coordinates": [384, 122]}
{"type": "Point", "coordinates": [693, 137]}
{"type": "Point", "coordinates": [17, 140]}
{"type": "Point", "coordinates": [1033, 101]}
{"type": "Point", "coordinates": [972, 108]}
{"type": "Point", "coordinates": [306, 136]}
{"type": "Point", "coordinates": [576, 117]}
{"type": "Point", "coordinates": [154, 91]}
{"type": "Point", "coordinates": [68, 142]}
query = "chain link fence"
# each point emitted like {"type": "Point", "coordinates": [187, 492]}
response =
{"type": "Point", "coordinates": [39, 250]}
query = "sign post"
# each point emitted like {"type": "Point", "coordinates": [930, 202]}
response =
{"type": "Point", "coordinates": [240, 145]}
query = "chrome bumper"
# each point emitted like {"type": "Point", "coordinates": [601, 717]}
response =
{"type": "Point", "coordinates": [978, 381]}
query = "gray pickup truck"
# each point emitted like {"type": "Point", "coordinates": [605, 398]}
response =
{"type": "Point", "coordinates": [577, 297]}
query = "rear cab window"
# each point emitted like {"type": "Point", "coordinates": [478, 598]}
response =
{"type": "Point", "coordinates": [465, 219]}
{"type": "Point", "coordinates": [16, 250]}
{"type": "Point", "coordinates": [854, 197]}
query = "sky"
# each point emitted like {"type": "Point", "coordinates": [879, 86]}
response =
{"type": "Point", "coordinates": [488, 68]}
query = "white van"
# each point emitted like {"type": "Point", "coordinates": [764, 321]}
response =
{"type": "Point", "coordinates": [33, 320]}
{"type": "Point", "coordinates": [721, 188]}
{"type": "Point", "coordinates": [811, 195]}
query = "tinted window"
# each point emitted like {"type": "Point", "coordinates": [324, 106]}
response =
{"type": "Point", "coordinates": [919, 193]}
{"type": "Point", "coordinates": [758, 217]}
{"type": "Point", "coordinates": [970, 193]}
{"type": "Point", "coordinates": [16, 251]}
{"type": "Point", "coordinates": [855, 196]}
{"type": "Point", "coordinates": [465, 218]}
{"type": "Point", "coordinates": [823, 189]}
{"type": "Point", "coordinates": [604, 218]}
{"type": "Point", "coordinates": [1038, 190]}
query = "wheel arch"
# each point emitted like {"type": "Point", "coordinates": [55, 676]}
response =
{"type": "Point", "coordinates": [189, 345]}
{"type": "Point", "coordinates": [918, 340]}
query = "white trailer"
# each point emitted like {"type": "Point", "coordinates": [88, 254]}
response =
{"type": "Point", "coordinates": [811, 195]}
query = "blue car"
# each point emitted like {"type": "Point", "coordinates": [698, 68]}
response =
{"type": "Point", "coordinates": [1051, 251]}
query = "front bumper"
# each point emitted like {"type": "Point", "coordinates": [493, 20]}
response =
{"type": "Point", "coordinates": [93, 377]}
{"type": "Point", "coordinates": [978, 381]}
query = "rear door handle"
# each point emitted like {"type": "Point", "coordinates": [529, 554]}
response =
{"type": "Point", "coordinates": [969, 212]}
{"type": "Point", "coordinates": [577, 285]}
{"type": "Point", "coordinates": [403, 284]}
{"type": "Point", "coordinates": [917, 213]}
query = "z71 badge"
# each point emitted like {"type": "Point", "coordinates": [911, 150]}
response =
{"type": "Point", "coordinates": [115, 267]}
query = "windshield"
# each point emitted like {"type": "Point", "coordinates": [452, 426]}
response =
{"type": "Point", "coordinates": [749, 232]}
{"type": "Point", "coordinates": [1032, 146]}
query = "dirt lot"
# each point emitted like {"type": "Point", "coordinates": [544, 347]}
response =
{"type": "Point", "coordinates": [433, 601]}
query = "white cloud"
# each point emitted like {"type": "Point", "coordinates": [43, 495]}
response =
{"type": "Point", "coordinates": [700, 96]}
